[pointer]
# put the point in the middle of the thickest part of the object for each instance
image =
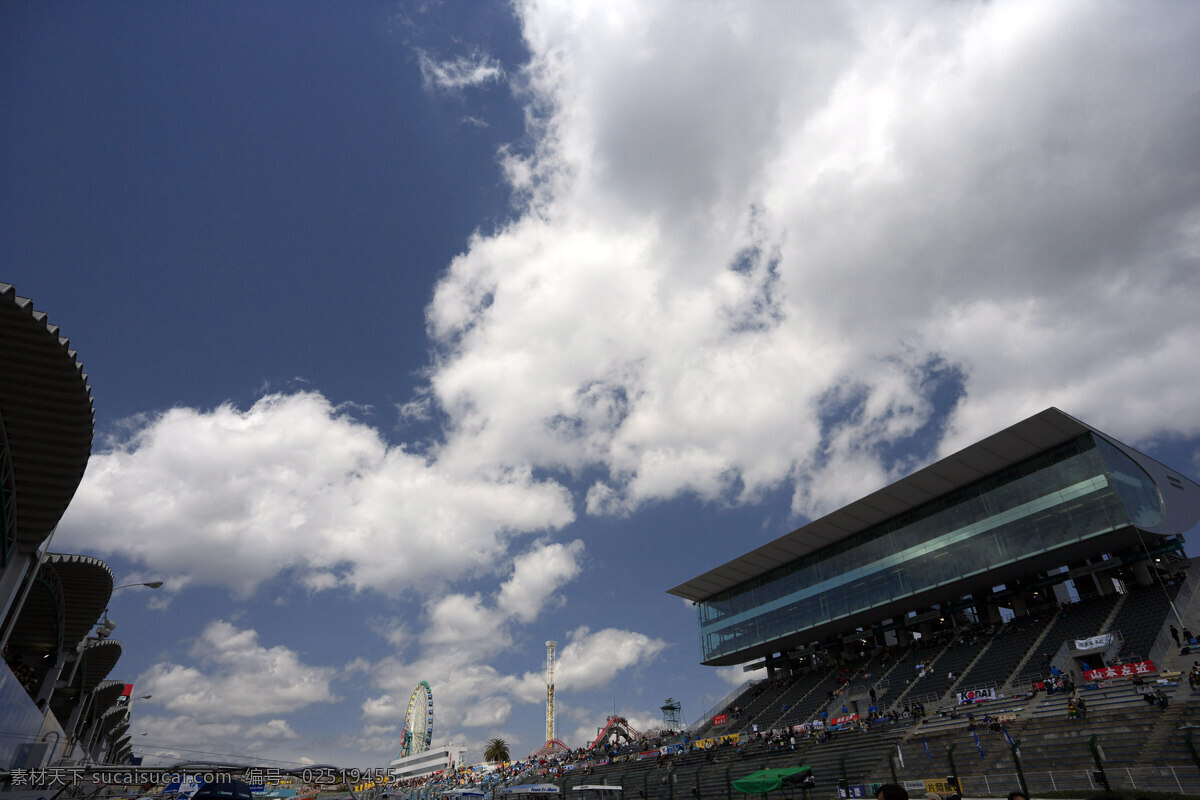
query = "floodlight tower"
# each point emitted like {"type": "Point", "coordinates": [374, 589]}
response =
{"type": "Point", "coordinates": [550, 648]}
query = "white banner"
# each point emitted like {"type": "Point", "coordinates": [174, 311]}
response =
{"type": "Point", "coordinates": [977, 695]}
{"type": "Point", "coordinates": [1103, 640]}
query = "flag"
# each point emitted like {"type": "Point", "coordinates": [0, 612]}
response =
{"type": "Point", "coordinates": [1008, 737]}
{"type": "Point", "coordinates": [900, 754]}
{"type": "Point", "coordinates": [979, 745]}
{"type": "Point", "coordinates": [927, 753]}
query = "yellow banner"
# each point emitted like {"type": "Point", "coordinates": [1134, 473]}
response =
{"type": "Point", "coordinates": [729, 738]}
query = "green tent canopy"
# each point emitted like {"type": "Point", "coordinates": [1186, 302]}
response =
{"type": "Point", "coordinates": [768, 780]}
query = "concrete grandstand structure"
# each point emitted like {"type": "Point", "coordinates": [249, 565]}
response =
{"type": "Point", "coordinates": [1014, 509]}
{"type": "Point", "coordinates": [980, 573]}
{"type": "Point", "coordinates": [56, 700]}
{"type": "Point", "coordinates": [1036, 550]}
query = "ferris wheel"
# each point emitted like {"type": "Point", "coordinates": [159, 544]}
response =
{"type": "Point", "coordinates": [418, 722]}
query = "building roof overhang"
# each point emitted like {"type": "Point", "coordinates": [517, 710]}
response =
{"type": "Point", "coordinates": [87, 585]}
{"type": "Point", "coordinates": [99, 658]}
{"type": "Point", "coordinates": [1010, 446]}
{"type": "Point", "coordinates": [47, 416]}
{"type": "Point", "coordinates": [106, 695]}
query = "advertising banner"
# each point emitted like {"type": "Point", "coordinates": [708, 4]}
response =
{"type": "Point", "coordinates": [843, 720]}
{"type": "Point", "coordinates": [1120, 671]}
{"type": "Point", "coordinates": [720, 719]}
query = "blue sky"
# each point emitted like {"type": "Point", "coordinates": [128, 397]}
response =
{"type": "Point", "coordinates": [423, 333]}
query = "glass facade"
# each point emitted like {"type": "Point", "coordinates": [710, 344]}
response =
{"type": "Point", "coordinates": [1078, 490]}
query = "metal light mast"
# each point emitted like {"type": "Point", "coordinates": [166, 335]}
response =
{"type": "Point", "coordinates": [550, 648]}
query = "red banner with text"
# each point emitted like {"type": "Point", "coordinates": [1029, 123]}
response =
{"type": "Point", "coordinates": [1120, 671]}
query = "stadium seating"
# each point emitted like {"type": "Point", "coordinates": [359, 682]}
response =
{"type": "Point", "coordinates": [1074, 621]}
{"type": "Point", "coordinates": [766, 693]}
{"type": "Point", "coordinates": [1141, 619]}
{"type": "Point", "coordinates": [808, 706]}
{"type": "Point", "coordinates": [954, 659]}
{"type": "Point", "coordinates": [772, 716]}
{"type": "Point", "coordinates": [1007, 651]}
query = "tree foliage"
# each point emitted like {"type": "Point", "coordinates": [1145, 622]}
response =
{"type": "Point", "coordinates": [496, 750]}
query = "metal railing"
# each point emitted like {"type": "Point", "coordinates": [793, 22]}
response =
{"type": "Point", "coordinates": [722, 704]}
{"type": "Point", "coordinates": [1163, 779]}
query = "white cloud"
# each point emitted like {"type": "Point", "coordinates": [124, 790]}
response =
{"type": "Point", "coordinates": [736, 676]}
{"type": "Point", "coordinates": [746, 217]}
{"type": "Point", "coordinates": [272, 730]}
{"type": "Point", "coordinates": [237, 677]}
{"type": "Point", "coordinates": [384, 708]}
{"type": "Point", "coordinates": [235, 497]}
{"type": "Point", "coordinates": [536, 575]}
{"type": "Point", "coordinates": [590, 661]}
{"type": "Point", "coordinates": [462, 632]}
{"type": "Point", "coordinates": [459, 73]}
{"type": "Point", "coordinates": [472, 694]}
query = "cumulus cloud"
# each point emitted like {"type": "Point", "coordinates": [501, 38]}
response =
{"type": "Point", "coordinates": [234, 497]}
{"type": "Point", "coordinates": [736, 676]}
{"type": "Point", "coordinates": [463, 631]}
{"type": "Point", "coordinates": [536, 575]}
{"type": "Point", "coordinates": [232, 698]}
{"type": "Point", "coordinates": [237, 677]}
{"type": "Point", "coordinates": [590, 660]}
{"type": "Point", "coordinates": [760, 240]}
{"type": "Point", "coordinates": [472, 694]}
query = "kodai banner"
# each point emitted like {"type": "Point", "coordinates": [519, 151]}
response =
{"type": "Point", "coordinates": [977, 695]}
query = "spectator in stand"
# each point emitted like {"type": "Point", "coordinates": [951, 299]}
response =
{"type": "Point", "coordinates": [1174, 634]}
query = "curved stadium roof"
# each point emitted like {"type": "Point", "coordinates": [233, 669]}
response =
{"type": "Point", "coordinates": [107, 694]}
{"type": "Point", "coordinates": [99, 658]}
{"type": "Point", "coordinates": [46, 409]}
{"type": "Point", "coordinates": [67, 601]}
{"type": "Point", "coordinates": [87, 585]}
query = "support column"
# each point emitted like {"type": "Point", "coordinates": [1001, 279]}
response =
{"type": "Point", "coordinates": [11, 581]}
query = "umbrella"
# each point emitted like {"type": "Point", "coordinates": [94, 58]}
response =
{"type": "Point", "coordinates": [768, 780]}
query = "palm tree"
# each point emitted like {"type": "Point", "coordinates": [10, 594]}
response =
{"type": "Point", "coordinates": [496, 750]}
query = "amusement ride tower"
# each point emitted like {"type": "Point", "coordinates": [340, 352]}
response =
{"type": "Point", "coordinates": [550, 648]}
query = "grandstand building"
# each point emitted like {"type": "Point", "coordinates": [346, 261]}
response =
{"type": "Point", "coordinates": [56, 702]}
{"type": "Point", "coordinates": [988, 534]}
